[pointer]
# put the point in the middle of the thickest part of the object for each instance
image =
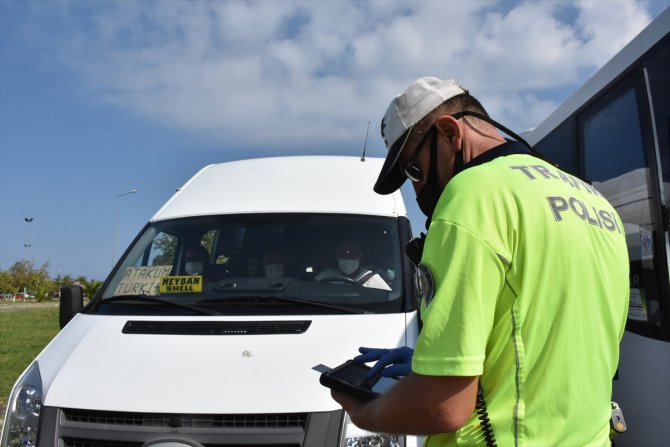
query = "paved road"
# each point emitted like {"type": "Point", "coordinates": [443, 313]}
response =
{"type": "Point", "coordinates": [8, 306]}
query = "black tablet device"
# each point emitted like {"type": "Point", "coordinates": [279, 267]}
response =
{"type": "Point", "coordinates": [351, 377]}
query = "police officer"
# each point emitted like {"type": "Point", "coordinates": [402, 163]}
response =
{"type": "Point", "coordinates": [526, 269]}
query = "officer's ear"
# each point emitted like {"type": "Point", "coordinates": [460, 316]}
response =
{"type": "Point", "coordinates": [449, 129]}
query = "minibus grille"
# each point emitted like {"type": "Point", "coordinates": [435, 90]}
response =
{"type": "Point", "coordinates": [291, 420]}
{"type": "Point", "coordinates": [66, 427]}
{"type": "Point", "coordinates": [94, 443]}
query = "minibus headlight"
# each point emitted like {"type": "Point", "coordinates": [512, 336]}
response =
{"type": "Point", "coordinates": [23, 412]}
{"type": "Point", "coordinates": [355, 437]}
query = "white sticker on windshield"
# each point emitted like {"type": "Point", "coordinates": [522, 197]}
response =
{"type": "Point", "coordinates": [142, 280]}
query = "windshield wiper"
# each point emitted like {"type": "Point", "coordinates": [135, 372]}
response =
{"type": "Point", "coordinates": [154, 299]}
{"type": "Point", "coordinates": [244, 299]}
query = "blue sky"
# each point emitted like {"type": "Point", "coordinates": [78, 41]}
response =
{"type": "Point", "coordinates": [101, 97]}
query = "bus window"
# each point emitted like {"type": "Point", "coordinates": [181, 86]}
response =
{"type": "Point", "coordinates": [614, 160]}
{"type": "Point", "coordinates": [559, 147]}
{"type": "Point", "coordinates": [657, 66]}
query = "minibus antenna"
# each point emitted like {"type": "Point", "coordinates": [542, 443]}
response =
{"type": "Point", "coordinates": [366, 142]}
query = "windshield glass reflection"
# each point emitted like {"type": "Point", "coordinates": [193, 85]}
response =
{"type": "Point", "coordinates": [262, 264]}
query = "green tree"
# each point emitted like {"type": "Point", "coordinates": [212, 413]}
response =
{"type": "Point", "coordinates": [43, 290]}
{"type": "Point", "coordinates": [90, 287]}
{"type": "Point", "coordinates": [208, 240]}
{"type": "Point", "coordinates": [23, 275]}
{"type": "Point", "coordinates": [66, 280]}
{"type": "Point", "coordinates": [166, 247]}
{"type": "Point", "coordinates": [26, 276]}
{"type": "Point", "coordinates": [63, 280]}
{"type": "Point", "coordinates": [7, 283]}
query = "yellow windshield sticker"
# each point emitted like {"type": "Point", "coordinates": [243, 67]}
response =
{"type": "Point", "coordinates": [178, 284]}
{"type": "Point", "coordinates": [142, 280]}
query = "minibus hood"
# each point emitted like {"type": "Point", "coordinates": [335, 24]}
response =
{"type": "Point", "coordinates": [93, 365]}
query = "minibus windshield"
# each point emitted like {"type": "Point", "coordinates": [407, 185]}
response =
{"type": "Point", "coordinates": [257, 264]}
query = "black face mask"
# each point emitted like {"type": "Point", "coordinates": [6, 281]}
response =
{"type": "Point", "coordinates": [430, 193]}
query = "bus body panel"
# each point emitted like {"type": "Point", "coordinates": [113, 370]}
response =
{"type": "Point", "coordinates": [644, 394]}
{"type": "Point", "coordinates": [614, 132]}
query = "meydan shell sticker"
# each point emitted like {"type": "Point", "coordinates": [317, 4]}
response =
{"type": "Point", "coordinates": [181, 284]}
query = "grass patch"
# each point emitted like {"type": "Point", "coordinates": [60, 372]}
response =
{"type": "Point", "coordinates": [23, 334]}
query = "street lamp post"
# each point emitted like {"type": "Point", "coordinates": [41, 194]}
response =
{"type": "Point", "coordinates": [27, 243]}
{"type": "Point", "coordinates": [116, 203]}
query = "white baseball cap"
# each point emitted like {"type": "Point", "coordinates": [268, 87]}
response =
{"type": "Point", "coordinates": [421, 97]}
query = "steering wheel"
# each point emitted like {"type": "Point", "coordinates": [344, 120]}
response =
{"type": "Point", "coordinates": [333, 279]}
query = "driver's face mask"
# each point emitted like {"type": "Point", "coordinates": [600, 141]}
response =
{"type": "Point", "coordinates": [348, 266]}
{"type": "Point", "coordinates": [274, 270]}
{"type": "Point", "coordinates": [194, 268]}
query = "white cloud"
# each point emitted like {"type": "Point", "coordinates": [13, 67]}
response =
{"type": "Point", "coordinates": [301, 74]}
{"type": "Point", "coordinates": [609, 26]}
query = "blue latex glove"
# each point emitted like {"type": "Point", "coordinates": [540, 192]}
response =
{"type": "Point", "coordinates": [390, 362]}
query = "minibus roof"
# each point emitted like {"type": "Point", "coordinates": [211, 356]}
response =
{"type": "Point", "coordinates": [298, 184]}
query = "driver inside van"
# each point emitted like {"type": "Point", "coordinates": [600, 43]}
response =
{"type": "Point", "coordinates": [275, 263]}
{"type": "Point", "coordinates": [348, 255]}
{"type": "Point", "coordinates": [195, 260]}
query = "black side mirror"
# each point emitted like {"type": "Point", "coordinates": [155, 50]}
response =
{"type": "Point", "coordinates": [71, 302]}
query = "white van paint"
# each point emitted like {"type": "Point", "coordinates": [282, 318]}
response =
{"type": "Point", "coordinates": [97, 384]}
{"type": "Point", "coordinates": [306, 184]}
